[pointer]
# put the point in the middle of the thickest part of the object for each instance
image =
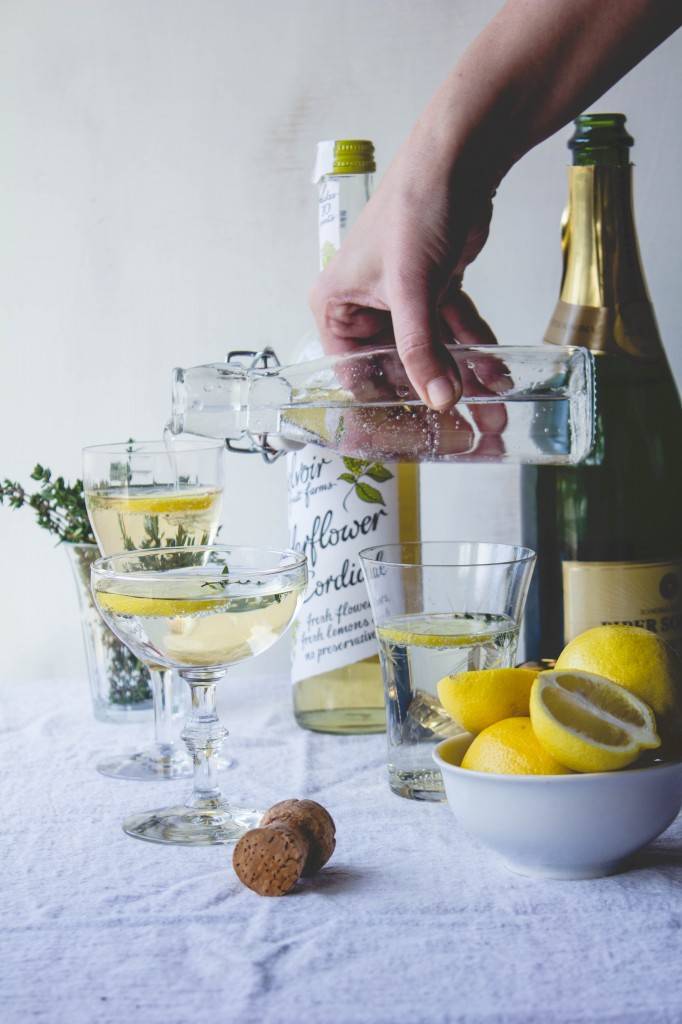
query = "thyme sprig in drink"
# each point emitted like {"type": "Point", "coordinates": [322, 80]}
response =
{"type": "Point", "coordinates": [153, 517]}
{"type": "Point", "coordinates": [195, 620]}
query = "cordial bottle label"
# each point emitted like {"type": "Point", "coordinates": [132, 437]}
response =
{"type": "Point", "coordinates": [337, 506]}
{"type": "Point", "coordinates": [646, 594]}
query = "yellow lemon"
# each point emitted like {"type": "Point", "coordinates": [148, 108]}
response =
{"type": "Point", "coordinates": [163, 503]}
{"type": "Point", "coordinates": [510, 747]}
{"type": "Point", "coordinates": [476, 700]}
{"type": "Point", "coordinates": [431, 631]}
{"type": "Point", "coordinates": [589, 723]}
{"type": "Point", "coordinates": [638, 660]}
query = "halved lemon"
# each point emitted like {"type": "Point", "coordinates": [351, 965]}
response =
{"type": "Point", "coordinates": [476, 700]}
{"type": "Point", "coordinates": [589, 723]}
{"type": "Point", "coordinates": [638, 660]}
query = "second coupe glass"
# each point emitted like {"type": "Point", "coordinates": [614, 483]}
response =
{"type": "Point", "coordinates": [154, 495]}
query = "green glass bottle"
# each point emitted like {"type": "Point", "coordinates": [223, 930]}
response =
{"type": "Point", "coordinates": [608, 533]}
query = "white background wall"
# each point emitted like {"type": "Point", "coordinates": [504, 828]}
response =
{"type": "Point", "coordinates": [155, 210]}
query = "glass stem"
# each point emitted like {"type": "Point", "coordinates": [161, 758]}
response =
{"type": "Point", "coordinates": [162, 690]}
{"type": "Point", "coordinates": [204, 737]}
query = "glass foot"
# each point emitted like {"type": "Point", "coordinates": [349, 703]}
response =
{"type": "Point", "coordinates": [150, 766]}
{"type": "Point", "coordinates": [417, 783]}
{"type": "Point", "coordinates": [221, 823]}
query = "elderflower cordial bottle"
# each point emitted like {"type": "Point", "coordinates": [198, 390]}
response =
{"type": "Point", "coordinates": [608, 533]}
{"type": "Point", "coordinates": [339, 505]}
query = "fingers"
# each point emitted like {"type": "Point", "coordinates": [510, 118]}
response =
{"type": "Point", "coordinates": [463, 319]}
{"type": "Point", "coordinates": [410, 434]}
{"type": "Point", "coordinates": [432, 372]}
{"type": "Point", "coordinates": [367, 375]}
{"type": "Point", "coordinates": [491, 417]}
{"type": "Point", "coordinates": [480, 374]}
{"type": "Point", "coordinates": [343, 325]}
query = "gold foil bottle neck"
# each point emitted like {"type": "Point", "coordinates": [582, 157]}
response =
{"type": "Point", "coordinates": [604, 304]}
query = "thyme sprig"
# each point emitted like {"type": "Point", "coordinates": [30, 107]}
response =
{"type": "Point", "coordinates": [218, 584]}
{"type": "Point", "coordinates": [59, 506]}
{"type": "Point", "coordinates": [242, 604]}
{"type": "Point", "coordinates": [60, 509]}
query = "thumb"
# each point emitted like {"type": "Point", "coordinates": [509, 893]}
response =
{"type": "Point", "coordinates": [432, 372]}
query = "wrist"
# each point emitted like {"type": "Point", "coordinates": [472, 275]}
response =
{"type": "Point", "coordinates": [467, 150]}
{"type": "Point", "coordinates": [463, 163]}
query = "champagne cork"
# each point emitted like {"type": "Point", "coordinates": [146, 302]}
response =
{"type": "Point", "coordinates": [295, 838]}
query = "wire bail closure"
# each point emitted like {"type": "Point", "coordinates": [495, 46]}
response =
{"type": "Point", "coordinates": [264, 359]}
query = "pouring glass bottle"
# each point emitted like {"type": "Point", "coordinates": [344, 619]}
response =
{"type": "Point", "coordinates": [362, 406]}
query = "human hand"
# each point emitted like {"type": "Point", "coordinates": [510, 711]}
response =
{"type": "Point", "coordinates": [398, 276]}
{"type": "Point", "coordinates": [533, 68]}
{"type": "Point", "coordinates": [375, 413]}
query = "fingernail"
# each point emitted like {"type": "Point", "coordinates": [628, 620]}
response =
{"type": "Point", "coordinates": [441, 393]}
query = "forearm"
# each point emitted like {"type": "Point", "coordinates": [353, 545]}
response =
{"type": "Point", "coordinates": [535, 66]}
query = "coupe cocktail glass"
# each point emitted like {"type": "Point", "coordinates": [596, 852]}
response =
{"type": "Point", "coordinates": [199, 610]}
{"type": "Point", "coordinates": [439, 609]}
{"type": "Point", "coordinates": [151, 495]}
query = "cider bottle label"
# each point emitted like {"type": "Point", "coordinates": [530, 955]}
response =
{"type": "Point", "coordinates": [645, 594]}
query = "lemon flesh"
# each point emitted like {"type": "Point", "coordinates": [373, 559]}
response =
{"type": "Point", "coordinates": [165, 503]}
{"type": "Point", "coordinates": [442, 630]}
{"type": "Point", "coordinates": [636, 659]}
{"type": "Point", "coordinates": [476, 700]}
{"type": "Point", "coordinates": [510, 747]}
{"type": "Point", "coordinates": [155, 607]}
{"type": "Point", "coordinates": [589, 723]}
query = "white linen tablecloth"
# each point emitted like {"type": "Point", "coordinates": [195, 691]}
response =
{"type": "Point", "coordinates": [410, 923]}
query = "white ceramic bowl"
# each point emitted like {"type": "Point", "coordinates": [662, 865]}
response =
{"type": "Point", "coordinates": [561, 826]}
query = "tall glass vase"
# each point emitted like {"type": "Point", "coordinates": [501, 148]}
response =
{"type": "Point", "coordinates": [119, 683]}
